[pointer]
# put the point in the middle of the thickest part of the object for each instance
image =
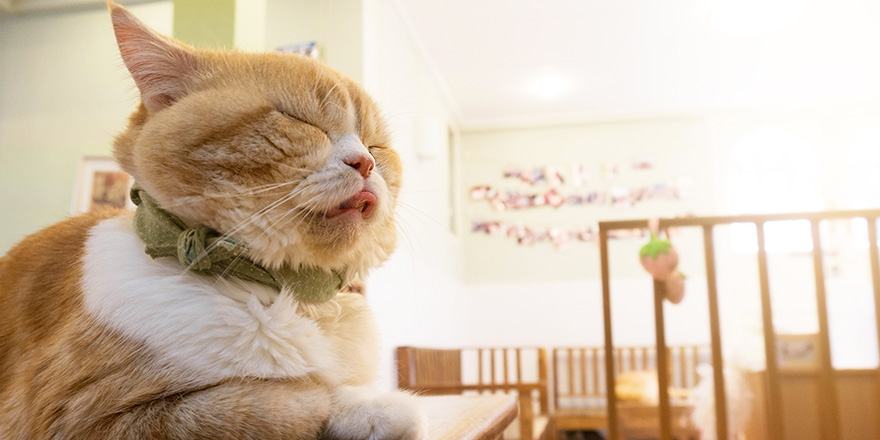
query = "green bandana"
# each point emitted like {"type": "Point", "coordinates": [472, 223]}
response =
{"type": "Point", "coordinates": [208, 252]}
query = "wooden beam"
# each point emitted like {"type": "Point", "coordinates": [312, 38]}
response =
{"type": "Point", "coordinates": [610, 395]}
{"type": "Point", "coordinates": [570, 370]}
{"type": "Point", "coordinates": [663, 375]}
{"type": "Point", "coordinates": [827, 385]}
{"type": "Point", "coordinates": [555, 371]}
{"type": "Point", "coordinates": [583, 371]}
{"type": "Point", "coordinates": [774, 393]}
{"type": "Point", "coordinates": [405, 373]}
{"type": "Point", "coordinates": [522, 388]}
{"type": "Point", "coordinates": [715, 334]}
{"type": "Point", "coordinates": [542, 380]}
{"type": "Point", "coordinates": [594, 358]}
{"type": "Point", "coordinates": [757, 218]}
{"type": "Point", "coordinates": [874, 258]}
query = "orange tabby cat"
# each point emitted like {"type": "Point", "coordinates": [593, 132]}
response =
{"type": "Point", "coordinates": [280, 159]}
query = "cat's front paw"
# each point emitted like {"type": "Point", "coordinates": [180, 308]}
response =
{"type": "Point", "coordinates": [360, 413]}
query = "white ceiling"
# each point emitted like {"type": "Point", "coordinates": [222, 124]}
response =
{"type": "Point", "coordinates": [638, 58]}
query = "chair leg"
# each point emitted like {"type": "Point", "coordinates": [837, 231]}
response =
{"type": "Point", "coordinates": [526, 414]}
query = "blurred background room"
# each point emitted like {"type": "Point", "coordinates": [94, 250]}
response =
{"type": "Point", "coordinates": [522, 125]}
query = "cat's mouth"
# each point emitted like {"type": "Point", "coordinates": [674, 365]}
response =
{"type": "Point", "coordinates": [363, 203]}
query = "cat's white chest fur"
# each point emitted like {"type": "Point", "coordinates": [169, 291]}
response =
{"type": "Point", "coordinates": [217, 329]}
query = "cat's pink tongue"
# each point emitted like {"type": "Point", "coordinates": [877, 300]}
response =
{"type": "Point", "coordinates": [363, 202]}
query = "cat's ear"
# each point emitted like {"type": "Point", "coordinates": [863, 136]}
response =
{"type": "Point", "coordinates": [159, 66]}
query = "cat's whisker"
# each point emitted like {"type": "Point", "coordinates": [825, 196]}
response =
{"type": "Point", "coordinates": [225, 272]}
{"type": "Point", "coordinates": [423, 191]}
{"type": "Point", "coordinates": [271, 185]}
{"type": "Point", "coordinates": [413, 209]}
{"type": "Point", "coordinates": [281, 222]}
{"type": "Point", "coordinates": [402, 226]}
{"type": "Point", "coordinates": [257, 215]}
{"type": "Point", "coordinates": [293, 168]}
{"type": "Point", "coordinates": [285, 219]}
{"type": "Point", "coordinates": [193, 199]}
{"type": "Point", "coordinates": [403, 232]}
{"type": "Point", "coordinates": [250, 220]}
{"type": "Point", "coordinates": [420, 271]}
{"type": "Point", "coordinates": [304, 215]}
{"type": "Point", "coordinates": [337, 105]}
{"type": "Point", "coordinates": [245, 192]}
{"type": "Point", "coordinates": [258, 189]}
{"type": "Point", "coordinates": [327, 95]}
{"type": "Point", "coordinates": [253, 217]}
{"type": "Point", "coordinates": [306, 212]}
{"type": "Point", "coordinates": [242, 224]}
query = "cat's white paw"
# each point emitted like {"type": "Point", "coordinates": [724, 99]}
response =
{"type": "Point", "coordinates": [361, 413]}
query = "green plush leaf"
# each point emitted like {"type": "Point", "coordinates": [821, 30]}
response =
{"type": "Point", "coordinates": [655, 247]}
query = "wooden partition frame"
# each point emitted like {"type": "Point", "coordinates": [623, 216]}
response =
{"type": "Point", "coordinates": [830, 421]}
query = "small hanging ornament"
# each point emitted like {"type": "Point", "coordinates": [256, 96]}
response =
{"type": "Point", "coordinates": [675, 287]}
{"type": "Point", "coordinates": [660, 259]}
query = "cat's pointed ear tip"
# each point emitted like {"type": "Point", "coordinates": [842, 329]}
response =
{"type": "Point", "coordinates": [115, 8]}
{"type": "Point", "coordinates": [120, 16]}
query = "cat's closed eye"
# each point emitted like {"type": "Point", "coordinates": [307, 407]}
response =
{"type": "Point", "coordinates": [291, 116]}
{"type": "Point", "coordinates": [297, 119]}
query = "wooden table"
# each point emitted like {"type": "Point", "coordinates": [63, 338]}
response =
{"type": "Point", "coordinates": [478, 417]}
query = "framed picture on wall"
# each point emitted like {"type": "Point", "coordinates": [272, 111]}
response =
{"type": "Point", "coordinates": [307, 49]}
{"type": "Point", "coordinates": [100, 182]}
{"type": "Point", "coordinates": [797, 351]}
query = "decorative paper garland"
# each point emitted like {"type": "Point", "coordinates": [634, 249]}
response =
{"type": "Point", "coordinates": [552, 175]}
{"type": "Point", "coordinates": [616, 196]}
{"type": "Point", "coordinates": [559, 237]}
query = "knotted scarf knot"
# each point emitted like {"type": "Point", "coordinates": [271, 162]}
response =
{"type": "Point", "coordinates": [191, 248]}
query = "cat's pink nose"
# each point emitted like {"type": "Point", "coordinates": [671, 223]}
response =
{"type": "Point", "coordinates": [362, 163]}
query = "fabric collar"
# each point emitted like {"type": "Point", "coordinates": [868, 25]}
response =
{"type": "Point", "coordinates": [208, 252]}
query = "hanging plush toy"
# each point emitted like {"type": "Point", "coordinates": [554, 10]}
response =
{"type": "Point", "coordinates": [660, 259]}
{"type": "Point", "coordinates": [675, 287]}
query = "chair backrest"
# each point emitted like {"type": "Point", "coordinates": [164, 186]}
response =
{"type": "Point", "coordinates": [579, 372]}
{"type": "Point", "coordinates": [477, 370]}
{"type": "Point", "coordinates": [428, 367]}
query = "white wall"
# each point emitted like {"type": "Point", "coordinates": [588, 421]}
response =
{"type": "Point", "coordinates": [415, 296]}
{"type": "Point", "coordinates": [64, 93]}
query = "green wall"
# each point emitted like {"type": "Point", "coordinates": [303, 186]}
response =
{"type": "Point", "coordinates": [205, 23]}
{"type": "Point", "coordinates": [63, 95]}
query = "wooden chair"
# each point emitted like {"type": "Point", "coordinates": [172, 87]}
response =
{"type": "Point", "coordinates": [481, 370]}
{"type": "Point", "coordinates": [643, 422]}
{"type": "Point", "coordinates": [579, 391]}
